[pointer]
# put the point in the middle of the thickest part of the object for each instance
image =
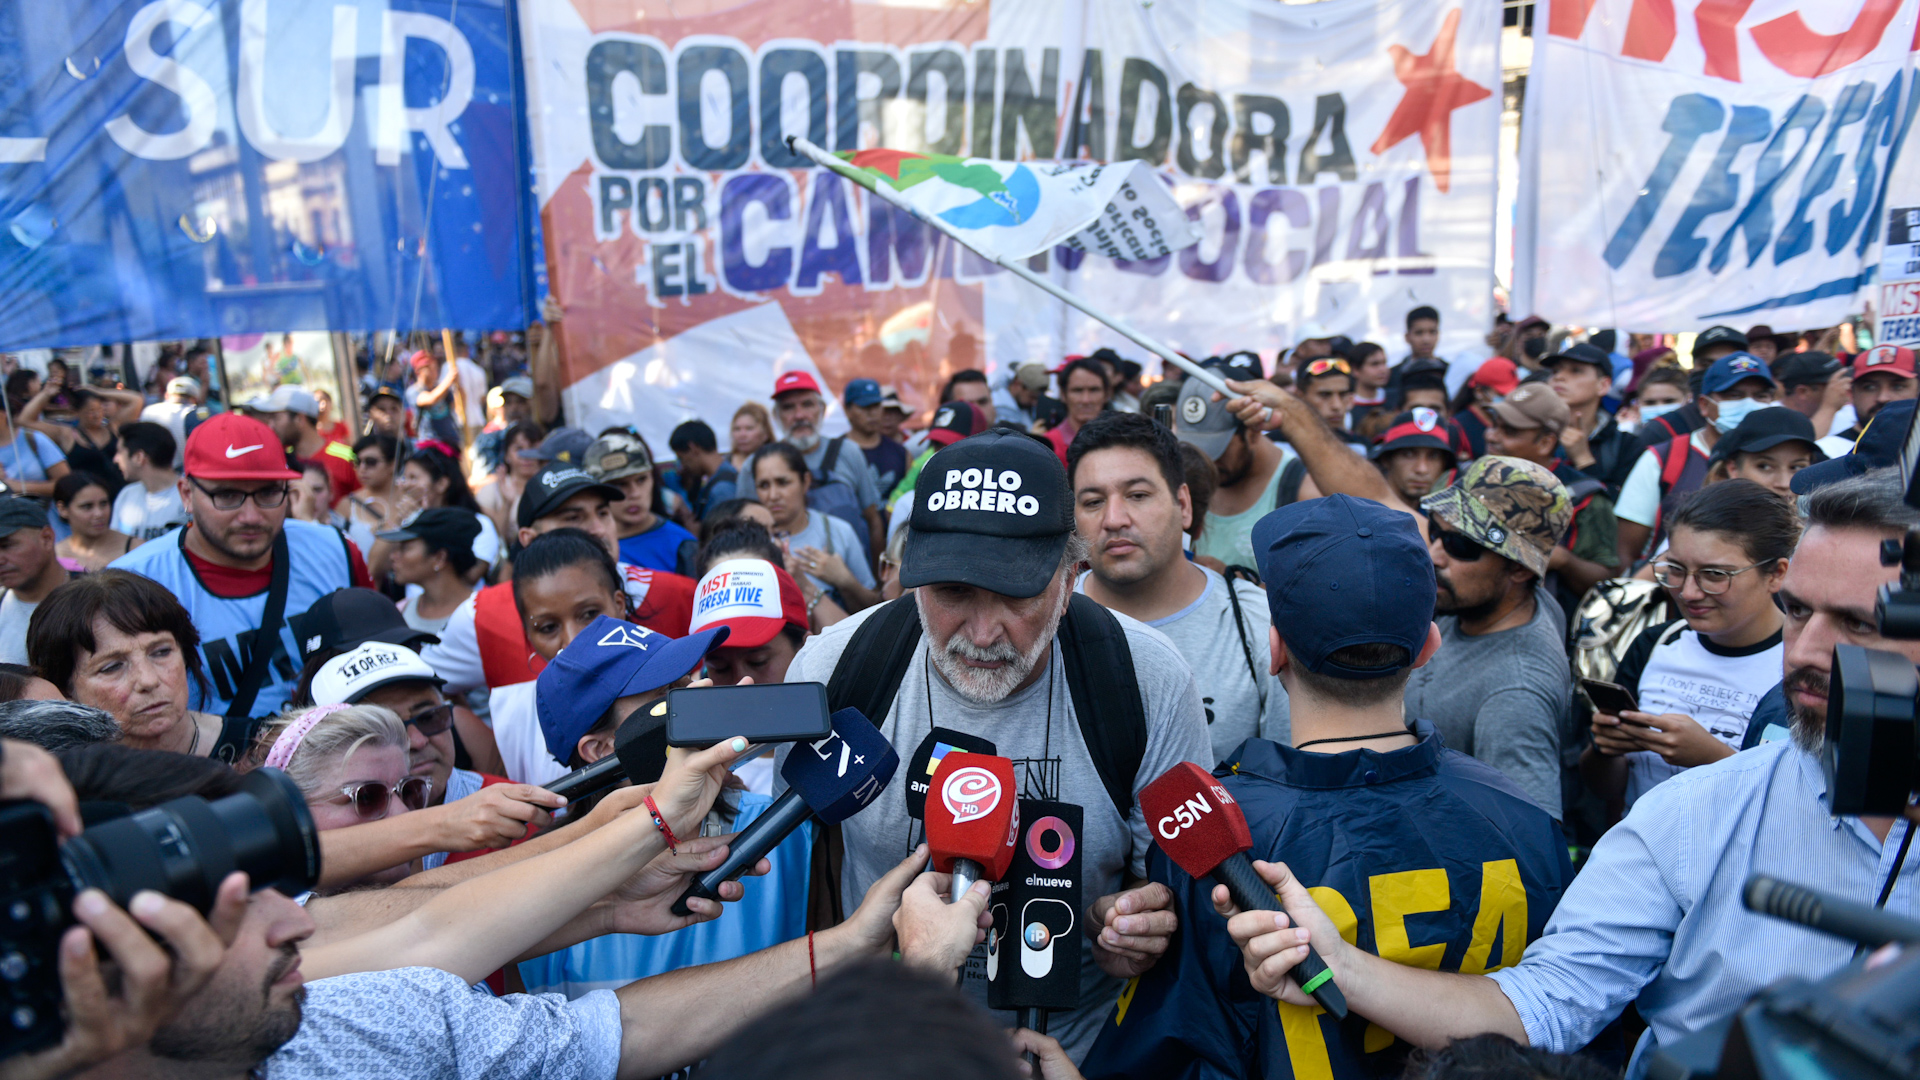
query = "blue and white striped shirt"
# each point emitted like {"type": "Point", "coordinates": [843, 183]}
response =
{"type": "Point", "coordinates": [1655, 914]}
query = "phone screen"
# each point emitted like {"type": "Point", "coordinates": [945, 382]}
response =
{"type": "Point", "coordinates": [776, 712]}
{"type": "Point", "coordinates": [1610, 698]}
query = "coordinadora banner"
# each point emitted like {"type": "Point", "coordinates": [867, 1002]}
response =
{"type": "Point", "coordinates": [1710, 161]}
{"type": "Point", "coordinates": [1337, 158]}
{"type": "Point", "coordinates": [194, 168]}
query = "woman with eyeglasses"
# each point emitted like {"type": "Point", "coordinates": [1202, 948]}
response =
{"type": "Point", "coordinates": [123, 644]}
{"type": "Point", "coordinates": [350, 761]}
{"type": "Point", "coordinates": [1698, 678]}
{"type": "Point", "coordinates": [371, 508]}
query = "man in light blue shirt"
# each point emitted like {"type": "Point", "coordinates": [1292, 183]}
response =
{"type": "Point", "coordinates": [1655, 915]}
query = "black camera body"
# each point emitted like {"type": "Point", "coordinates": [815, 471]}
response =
{"type": "Point", "coordinates": [182, 848]}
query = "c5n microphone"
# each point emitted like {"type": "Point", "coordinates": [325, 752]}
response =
{"type": "Point", "coordinates": [639, 754]}
{"type": "Point", "coordinates": [973, 819]}
{"type": "Point", "coordinates": [1856, 922]}
{"type": "Point", "coordinates": [832, 779]}
{"type": "Point", "coordinates": [1204, 832]}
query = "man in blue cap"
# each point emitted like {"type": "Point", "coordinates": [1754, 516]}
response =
{"type": "Point", "coordinates": [611, 669]}
{"type": "Point", "coordinates": [1448, 840]}
{"type": "Point", "coordinates": [1737, 384]}
{"type": "Point", "coordinates": [887, 459]}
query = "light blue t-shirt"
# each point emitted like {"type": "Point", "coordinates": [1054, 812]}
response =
{"type": "Point", "coordinates": [29, 456]}
{"type": "Point", "coordinates": [773, 910]}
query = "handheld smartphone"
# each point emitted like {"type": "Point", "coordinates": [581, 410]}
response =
{"type": "Point", "coordinates": [1610, 698]}
{"type": "Point", "coordinates": [776, 712]}
{"type": "Point", "coordinates": [1163, 415]}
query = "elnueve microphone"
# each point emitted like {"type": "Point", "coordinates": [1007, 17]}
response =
{"type": "Point", "coordinates": [832, 779]}
{"type": "Point", "coordinates": [973, 819]}
{"type": "Point", "coordinates": [1204, 832]}
{"type": "Point", "coordinates": [1847, 919]}
{"type": "Point", "coordinates": [639, 754]}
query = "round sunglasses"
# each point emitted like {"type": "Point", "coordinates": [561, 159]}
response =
{"type": "Point", "coordinates": [371, 798]}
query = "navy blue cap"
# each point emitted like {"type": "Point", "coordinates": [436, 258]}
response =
{"type": "Point", "coordinates": [861, 392]}
{"type": "Point", "coordinates": [1734, 368]}
{"type": "Point", "coordinates": [841, 774]}
{"type": "Point", "coordinates": [610, 659]}
{"type": "Point", "coordinates": [1342, 571]}
{"type": "Point", "coordinates": [1878, 446]}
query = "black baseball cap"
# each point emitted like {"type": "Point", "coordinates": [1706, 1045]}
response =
{"type": "Point", "coordinates": [349, 618]}
{"type": "Point", "coordinates": [554, 484]}
{"type": "Point", "coordinates": [1415, 428]}
{"type": "Point", "coordinates": [442, 527]}
{"type": "Point", "coordinates": [1878, 446]}
{"type": "Point", "coordinates": [1805, 369]}
{"type": "Point", "coordinates": [1764, 429]}
{"type": "Point", "coordinates": [1581, 354]}
{"type": "Point", "coordinates": [21, 512]}
{"type": "Point", "coordinates": [992, 511]}
{"type": "Point", "coordinates": [1719, 335]}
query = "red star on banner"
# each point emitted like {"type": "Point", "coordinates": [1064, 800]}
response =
{"type": "Point", "coordinates": [1434, 90]}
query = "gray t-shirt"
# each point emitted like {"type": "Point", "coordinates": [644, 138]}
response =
{"type": "Point", "coordinates": [851, 466]}
{"type": "Point", "coordinates": [1239, 703]}
{"type": "Point", "coordinates": [425, 1024]}
{"type": "Point", "coordinates": [1035, 723]}
{"type": "Point", "coordinates": [1505, 698]}
{"type": "Point", "coordinates": [835, 537]}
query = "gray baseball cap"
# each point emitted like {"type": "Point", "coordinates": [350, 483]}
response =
{"type": "Point", "coordinates": [1201, 422]}
{"type": "Point", "coordinates": [21, 512]}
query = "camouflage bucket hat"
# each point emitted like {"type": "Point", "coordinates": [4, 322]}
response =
{"type": "Point", "coordinates": [1512, 507]}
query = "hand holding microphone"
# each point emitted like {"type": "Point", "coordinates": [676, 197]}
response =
{"type": "Point", "coordinates": [1199, 826]}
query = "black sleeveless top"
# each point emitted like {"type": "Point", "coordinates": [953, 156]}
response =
{"type": "Point", "coordinates": [98, 460]}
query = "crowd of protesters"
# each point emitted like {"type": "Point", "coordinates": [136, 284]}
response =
{"type": "Point", "coordinates": [1378, 600]}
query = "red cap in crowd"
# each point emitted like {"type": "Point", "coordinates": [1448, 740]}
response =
{"type": "Point", "coordinates": [794, 380]}
{"type": "Point", "coordinates": [752, 598]}
{"type": "Point", "coordinates": [421, 359]}
{"type": "Point", "coordinates": [234, 447]}
{"type": "Point", "coordinates": [1892, 358]}
{"type": "Point", "coordinates": [956, 420]}
{"type": "Point", "coordinates": [1497, 374]}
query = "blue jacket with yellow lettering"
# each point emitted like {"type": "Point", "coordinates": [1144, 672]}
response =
{"type": "Point", "coordinates": [1423, 855]}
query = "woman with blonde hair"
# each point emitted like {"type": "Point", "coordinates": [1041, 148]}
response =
{"type": "Point", "coordinates": [752, 429]}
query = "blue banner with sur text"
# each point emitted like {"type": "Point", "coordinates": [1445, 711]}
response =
{"type": "Point", "coordinates": [192, 168]}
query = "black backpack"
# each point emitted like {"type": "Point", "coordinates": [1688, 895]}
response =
{"type": "Point", "coordinates": [1100, 679]}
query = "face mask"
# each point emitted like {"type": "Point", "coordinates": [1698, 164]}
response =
{"type": "Point", "coordinates": [1655, 412]}
{"type": "Point", "coordinates": [1732, 412]}
{"type": "Point", "coordinates": [1534, 347]}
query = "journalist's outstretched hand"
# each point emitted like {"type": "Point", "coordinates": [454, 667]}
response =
{"type": "Point", "coordinates": [474, 927]}
{"type": "Point", "coordinates": [1051, 1062]}
{"type": "Point", "coordinates": [1135, 926]}
{"type": "Point", "coordinates": [1426, 1008]}
{"type": "Point", "coordinates": [103, 1023]}
{"type": "Point", "coordinates": [937, 936]}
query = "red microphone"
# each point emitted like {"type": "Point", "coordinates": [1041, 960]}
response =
{"type": "Point", "coordinates": [1204, 832]}
{"type": "Point", "coordinates": [973, 818]}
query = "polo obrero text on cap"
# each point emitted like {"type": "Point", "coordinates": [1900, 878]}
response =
{"type": "Point", "coordinates": [984, 489]}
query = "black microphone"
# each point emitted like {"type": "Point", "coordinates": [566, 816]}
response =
{"type": "Point", "coordinates": [1033, 950]}
{"type": "Point", "coordinates": [1847, 919]}
{"type": "Point", "coordinates": [639, 754]}
{"type": "Point", "coordinates": [834, 778]}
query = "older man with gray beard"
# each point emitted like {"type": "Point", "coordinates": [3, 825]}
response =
{"type": "Point", "coordinates": [801, 409]}
{"type": "Point", "coordinates": [1655, 915]}
{"type": "Point", "coordinates": [991, 560]}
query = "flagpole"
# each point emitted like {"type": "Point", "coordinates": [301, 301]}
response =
{"type": "Point", "coordinates": [1018, 268]}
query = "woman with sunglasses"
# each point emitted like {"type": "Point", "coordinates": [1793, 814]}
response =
{"type": "Point", "coordinates": [465, 810]}
{"type": "Point", "coordinates": [370, 509]}
{"type": "Point", "coordinates": [1698, 678]}
{"type": "Point", "coordinates": [350, 761]}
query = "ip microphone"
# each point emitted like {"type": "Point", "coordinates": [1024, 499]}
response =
{"type": "Point", "coordinates": [926, 761]}
{"type": "Point", "coordinates": [832, 779]}
{"type": "Point", "coordinates": [973, 819]}
{"type": "Point", "coordinates": [639, 754]}
{"type": "Point", "coordinates": [1204, 832]}
{"type": "Point", "coordinates": [1856, 922]}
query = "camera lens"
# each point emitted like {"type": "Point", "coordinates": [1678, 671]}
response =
{"type": "Point", "coordinates": [185, 847]}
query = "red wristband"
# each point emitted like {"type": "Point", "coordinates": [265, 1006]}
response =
{"type": "Point", "coordinates": [812, 967]}
{"type": "Point", "coordinates": [660, 823]}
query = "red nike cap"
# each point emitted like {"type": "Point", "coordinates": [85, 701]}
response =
{"type": "Point", "coordinates": [234, 447]}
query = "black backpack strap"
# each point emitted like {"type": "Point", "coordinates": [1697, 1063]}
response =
{"type": "Point", "coordinates": [875, 661]}
{"type": "Point", "coordinates": [1292, 474]}
{"type": "Point", "coordinates": [1233, 575]}
{"type": "Point", "coordinates": [1106, 696]}
{"type": "Point", "coordinates": [832, 455]}
{"type": "Point", "coordinates": [267, 637]}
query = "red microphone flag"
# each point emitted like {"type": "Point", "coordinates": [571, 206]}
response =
{"type": "Point", "coordinates": [1194, 820]}
{"type": "Point", "coordinates": [973, 813]}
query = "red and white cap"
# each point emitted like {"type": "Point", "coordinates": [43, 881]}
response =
{"type": "Point", "coordinates": [1892, 358]}
{"type": "Point", "coordinates": [753, 598]}
{"type": "Point", "coordinates": [234, 447]}
{"type": "Point", "coordinates": [795, 380]}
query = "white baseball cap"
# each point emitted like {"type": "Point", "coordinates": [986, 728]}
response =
{"type": "Point", "coordinates": [753, 598]}
{"type": "Point", "coordinates": [287, 399]}
{"type": "Point", "coordinates": [351, 676]}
